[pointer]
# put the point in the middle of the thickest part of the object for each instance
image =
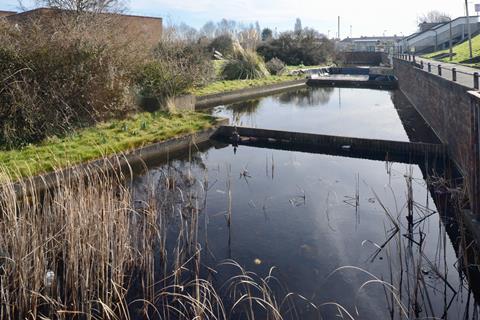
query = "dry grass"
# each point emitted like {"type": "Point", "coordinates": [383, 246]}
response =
{"type": "Point", "coordinates": [93, 249]}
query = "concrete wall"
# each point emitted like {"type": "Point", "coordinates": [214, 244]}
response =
{"type": "Point", "coordinates": [363, 58]}
{"type": "Point", "coordinates": [447, 107]}
{"type": "Point", "coordinates": [248, 93]}
{"type": "Point", "coordinates": [128, 162]}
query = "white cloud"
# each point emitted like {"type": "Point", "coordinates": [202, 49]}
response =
{"type": "Point", "coordinates": [365, 17]}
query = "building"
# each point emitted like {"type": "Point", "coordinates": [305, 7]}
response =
{"type": "Point", "coordinates": [6, 13]}
{"type": "Point", "coordinates": [434, 37]}
{"type": "Point", "coordinates": [148, 29]}
{"type": "Point", "coordinates": [368, 44]}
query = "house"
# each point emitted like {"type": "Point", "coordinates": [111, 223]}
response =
{"type": "Point", "coordinates": [149, 29]}
{"type": "Point", "coordinates": [434, 37]}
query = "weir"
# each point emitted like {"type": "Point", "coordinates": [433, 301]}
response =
{"type": "Point", "coordinates": [354, 77]}
{"type": "Point", "coordinates": [373, 149]}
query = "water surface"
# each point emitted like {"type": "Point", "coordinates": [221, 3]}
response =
{"type": "Point", "coordinates": [363, 113]}
{"type": "Point", "coordinates": [297, 212]}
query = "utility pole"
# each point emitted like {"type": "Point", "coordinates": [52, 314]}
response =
{"type": "Point", "coordinates": [469, 30]}
{"type": "Point", "coordinates": [339, 28]}
{"type": "Point", "coordinates": [450, 42]}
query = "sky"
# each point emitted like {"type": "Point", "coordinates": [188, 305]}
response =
{"type": "Point", "coordinates": [358, 18]}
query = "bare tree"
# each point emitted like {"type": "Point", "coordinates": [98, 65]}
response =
{"type": "Point", "coordinates": [96, 6]}
{"type": "Point", "coordinates": [208, 29]}
{"type": "Point", "coordinates": [433, 16]}
{"type": "Point", "coordinates": [226, 27]}
{"type": "Point", "coordinates": [184, 32]}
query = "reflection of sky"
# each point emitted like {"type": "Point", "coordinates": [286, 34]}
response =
{"type": "Point", "coordinates": [304, 242]}
{"type": "Point", "coordinates": [362, 113]}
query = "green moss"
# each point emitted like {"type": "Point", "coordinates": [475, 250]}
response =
{"type": "Point", "coordinates": [102, 140]}
{"type": "Point", "coordinates": [462, 52]}
{"type": "Point", "coordinates": [230, 85]}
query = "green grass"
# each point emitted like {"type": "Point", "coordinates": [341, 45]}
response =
{"type": "Point", "coordinates": [218, 65]}
{"type": "Point", "coordinates": [462, 52]}
{"type": "Point", "coordinates": [231, 85]}
{"type": "Point", "coordinates": [101, 140]}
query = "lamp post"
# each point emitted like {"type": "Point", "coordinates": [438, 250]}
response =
{"type": "Point", "coordinates": [469, 30]}
{"type": "Point", "coordinates": [450, 41]}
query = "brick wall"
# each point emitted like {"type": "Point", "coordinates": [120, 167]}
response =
{"type": "Point", "coordinates": [447, 107]}
{"type": "Point", "coordinates": [147, 29]}
{"type": "Point", "coordinates": [6, 13]}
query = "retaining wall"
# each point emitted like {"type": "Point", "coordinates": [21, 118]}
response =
{"type": "Point", "coordinates": [364, 58]}
{"type": "Point", "coordinates": [376, 149]}
{"type": "Point", "coordinates": [131, 161]}
{"type": "Point", "coordinates": [447, 107]}
{"type": "Point", "coordinates": [248, 93]}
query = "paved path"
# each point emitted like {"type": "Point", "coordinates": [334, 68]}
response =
{"type": "Point", "coordinates": [464, 73]}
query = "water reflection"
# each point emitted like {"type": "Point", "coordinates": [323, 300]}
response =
{"type": "Point", "coordinates": [363, 113]}
{"type": "Point", "coordinates": [244, 109]}
{"type": "Point", "coordinates": [306, 97]}
{"type": "Point", "coordinates": [320, 214]}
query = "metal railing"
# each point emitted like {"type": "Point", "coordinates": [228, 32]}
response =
{"type": "Point", "coordinates": [443, 71]}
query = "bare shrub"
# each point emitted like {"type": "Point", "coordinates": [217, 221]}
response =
{"type": "Point", "coordinates": [176, 68]}
{"type": "Point", "coordinates": [62, 73]}
{"type": "Point", "coordinates": [275, 66]}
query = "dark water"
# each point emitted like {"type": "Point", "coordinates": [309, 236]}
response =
{"type": "Point", "coordinates": [300, 216]}
{"type": "Point", "coordinates": [363, 113]}
{"type": "Point", "coordinates": [320, 220]}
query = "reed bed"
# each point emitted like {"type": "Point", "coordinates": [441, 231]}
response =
{"type": "Point", "coordinates": [91, 248]}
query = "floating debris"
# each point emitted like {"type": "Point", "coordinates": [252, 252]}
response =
{"type": "Point", "coordinates": [257, 261]}
{"type": "Point", "coordinates": [49, 277]}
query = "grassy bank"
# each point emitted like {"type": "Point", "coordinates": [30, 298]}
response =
{"type": "Point", "coordinates": [101, 140]}
{"type": "Point", "coordinates": [230, 85]}
{"type": "Point", "coordinates": [461, 51]}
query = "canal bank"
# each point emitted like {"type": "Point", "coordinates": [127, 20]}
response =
{"type": "Point", "coordinates": [452, 111]}
{"type": "Point", "coordinates": [305, 214]}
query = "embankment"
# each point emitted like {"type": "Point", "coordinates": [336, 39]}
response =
{"type": "Point", "coordinates": [452, 111]}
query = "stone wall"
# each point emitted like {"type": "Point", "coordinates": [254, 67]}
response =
{"type": "Point", "coordinates": [447, 107]}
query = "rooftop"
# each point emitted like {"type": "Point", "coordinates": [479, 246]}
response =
{"type": "Point", "coordinates": [42, 9]}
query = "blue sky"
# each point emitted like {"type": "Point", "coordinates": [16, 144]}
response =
{"type": "Point", "coordinates": [367, 17]}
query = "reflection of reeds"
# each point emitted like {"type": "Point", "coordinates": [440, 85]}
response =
{"type": "Point", "coordinates": [409, 293]}
{"type": "Point", "coordinates": [94, 249]}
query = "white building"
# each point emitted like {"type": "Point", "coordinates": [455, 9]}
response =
{"type": "Point", "coordinates": [438, 37]}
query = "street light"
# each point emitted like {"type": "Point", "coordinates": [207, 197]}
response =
{"type": "Point", "coordinates": [469, 31]}
{"type": "Point", "coordinates": [450, 42]}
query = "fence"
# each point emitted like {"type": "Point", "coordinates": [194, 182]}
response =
{"type": "Point", "coordinates": [443, 98]}
{"type": "Point", "coordinates": [469, 79]}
